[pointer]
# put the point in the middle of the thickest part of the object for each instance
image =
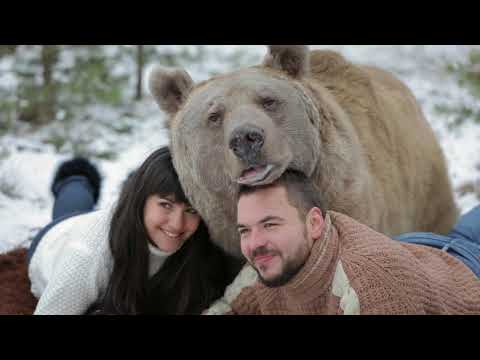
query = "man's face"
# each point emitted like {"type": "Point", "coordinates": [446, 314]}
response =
{"type": "Point", "coordinates": [274, 239]}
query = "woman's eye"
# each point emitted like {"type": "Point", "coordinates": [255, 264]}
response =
{"type": "Point", "coordinates": [165, 205]}
{"type": "Point", "coordinates": [192, 211]}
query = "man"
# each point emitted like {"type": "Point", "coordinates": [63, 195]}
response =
{"type": "Point", "coordinates": [306, 260]}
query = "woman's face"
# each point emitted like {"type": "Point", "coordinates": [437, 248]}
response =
{"type": "Point", "coordinates": [168, 223]}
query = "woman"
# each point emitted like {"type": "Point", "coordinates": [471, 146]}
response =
{"type": "Point", "coordinates": [151, 255]}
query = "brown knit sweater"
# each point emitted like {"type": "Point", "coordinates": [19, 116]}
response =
{"type": "Point", "coordinates": [353, 269]}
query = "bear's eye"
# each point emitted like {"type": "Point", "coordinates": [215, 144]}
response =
{"type": "Point", "coordinates": [214, 118]}
{"type": "Point", "coordinates": [269, 103]}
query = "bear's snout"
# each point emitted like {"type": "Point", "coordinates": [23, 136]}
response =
{"type": "Point", "coordinates": [246, 142]}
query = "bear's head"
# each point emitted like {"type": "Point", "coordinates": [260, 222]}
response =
{"type": "Point", "coordinates": [245, 127]}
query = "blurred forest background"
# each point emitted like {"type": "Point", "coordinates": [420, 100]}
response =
{"type": "Point", "coordinates": [45, 84]}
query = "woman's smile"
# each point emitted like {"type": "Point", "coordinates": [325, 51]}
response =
{"type": "Point", "coordinates": [171, 234]}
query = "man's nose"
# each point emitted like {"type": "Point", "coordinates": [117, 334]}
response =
{"type": "Point", "coordinates": [256, 240]}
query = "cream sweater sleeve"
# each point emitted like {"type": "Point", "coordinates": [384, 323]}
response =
{"type": "Point", "coordinates": [81, 274]}
{"type": "Point", "coordinates": [235, 291]}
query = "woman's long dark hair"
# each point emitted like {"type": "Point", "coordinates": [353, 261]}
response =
{"type": "Point", "coordinates": [189, 280]}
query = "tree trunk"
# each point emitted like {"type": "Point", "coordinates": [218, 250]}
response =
{"type": "Point", "coordinates": [140, 64]}
{"type": "Point", "coordinates": [7, 50]}
{"type": "Point", "coordinates": [49, 58]}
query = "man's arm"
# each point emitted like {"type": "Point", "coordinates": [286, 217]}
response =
{"type": "Point", "coordinates": [383, 287]}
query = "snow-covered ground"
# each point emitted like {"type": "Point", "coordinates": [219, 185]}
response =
{"type": "Point", "coordinates": [27, 163]}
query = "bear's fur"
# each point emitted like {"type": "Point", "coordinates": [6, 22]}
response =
{"type": "Point", "coordinates": [357, 131]}
{"type": "Point", "coordinates": [15, 295]}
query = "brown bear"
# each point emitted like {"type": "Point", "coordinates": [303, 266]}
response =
{"type": "Point", "coordinates": [357, 131]}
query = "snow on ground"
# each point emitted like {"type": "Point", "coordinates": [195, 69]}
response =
{"type": "Point", "coordinates": [27, 164]}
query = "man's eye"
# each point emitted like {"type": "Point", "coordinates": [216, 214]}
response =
{"type": "Point", "coordinates": [270, 225]}
{"type": "Point", "coordinates": [242, 232]}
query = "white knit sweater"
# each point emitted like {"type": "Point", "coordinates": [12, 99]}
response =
{"type": "Point", "coordinates": [72, 264]}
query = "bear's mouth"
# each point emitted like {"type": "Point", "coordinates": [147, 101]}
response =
{"type": "Point", "coordinates": [255, 175]}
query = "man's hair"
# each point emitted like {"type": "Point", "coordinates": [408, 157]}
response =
{"type": "Point", "coordinates": [301, 192]}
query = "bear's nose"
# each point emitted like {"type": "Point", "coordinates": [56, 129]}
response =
{"type": "Point", "coordinates": [246, 142]}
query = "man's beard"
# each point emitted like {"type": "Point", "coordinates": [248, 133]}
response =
{"type": "Point", "coordinates": [290, 268]}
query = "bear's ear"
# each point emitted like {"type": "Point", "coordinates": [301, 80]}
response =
{"type": "Point", "coordinates": [169, 87]}
{"type": "Point", "coordinates": [292, 59]}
